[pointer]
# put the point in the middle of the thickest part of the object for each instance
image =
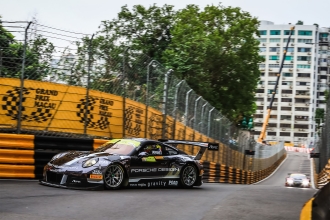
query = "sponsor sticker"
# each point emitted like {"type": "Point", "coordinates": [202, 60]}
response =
{"type": "Point", "coordinates": [173, 182]}
{"type": "Point", "coordinates": [96, 176]}
{"type": "Point", "coordinates": [149, 159]}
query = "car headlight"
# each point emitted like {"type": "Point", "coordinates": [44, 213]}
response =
{"type": "Point", "coordinates": [290, 181]}
{"type": "Point", "coordinates": [305, 182]}
{"type": "Point", "coordinates": [90, 162]}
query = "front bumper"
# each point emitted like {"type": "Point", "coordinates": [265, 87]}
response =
{"type": "Point", "coordinates": [66, 177]}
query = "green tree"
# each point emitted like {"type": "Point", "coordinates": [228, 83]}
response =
{"type": "Point", "coordinates": [37, 59]}
{"type": "Point", "coordinates": [319, 115]}
{"type": "Point", "coordinates": [215, 50]}
{"type": "Point", "coordinates": [299, 22]}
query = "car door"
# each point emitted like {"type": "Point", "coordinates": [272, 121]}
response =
{"type": "Point", "coordinates": [148, 163]}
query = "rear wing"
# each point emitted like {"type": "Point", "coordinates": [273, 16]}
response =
{"type": "Point", "coordinates": [203, 146]}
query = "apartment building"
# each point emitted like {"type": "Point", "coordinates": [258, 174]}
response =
{"type": "Point", "coordinates": [304, 79]}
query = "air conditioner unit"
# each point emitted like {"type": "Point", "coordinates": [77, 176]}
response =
{"type": "Point", "coordinates": [300, 129]}
{"type": "Point", "coordinates": [309, 53]}
{"type": "Point", "coordinates": [308, 87]}
{"type": "Point", "coordinates": [258, 94]}
{"type": "Point", "coordinates": [307, 104]}
{"type": "Point", "coordinates": [292, 44]}
{"type": "Point", "coordinates": [297, 69]}
{"type": "Point", "coordinates": [285, 95]}
{"type": "Point", "coordinates": [290, 87]}
{"type": "Point", "coordinates": [283, 78]}
{"type": "Point", "coordinates": [307, 93]}
{"type": "Point", "coordinates": [262, 69]}
{"type": "Point", "coordinates": [275, 103]}
{"type": "Point", "coordinates": [290, 104]}
{"type": "Point", "coordinates": [283, 129]}
{"type": "Point", "coordinates": [278, 53]}
{"type": "Point", "coordinates": [277, 61]}
{"type": "Point", "coordinates": [278, 44]}
{"type": "Point", "coordinates": [263, 44]}
{"type": "Point", "coordinates": [261, 111]}
{"type": "Point", "coordinates": [270, 69]}
{"type": "Point", "coordinates": [262, 86]}
{"type": "Point", "coordinates": [292, 53]}
{"type": "Point", "coordinates": [309, 62]}
{"type": "Point", "coordinates": [291, 61]}
{"type": "Point", "coordinates": [299, 139]}
{"type": "Point", "coordinates": [261, 103]}
{"type": "Point", "coordinates": [291, 70]}
{"type": "Point", "coordinates": [259, 120]}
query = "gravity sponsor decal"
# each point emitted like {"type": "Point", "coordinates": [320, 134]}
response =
{"type": "Point", "coordinates": [156, 183]}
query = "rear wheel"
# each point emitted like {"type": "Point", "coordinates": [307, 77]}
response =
{"type": "Point", "coordinates": [114, 176]}
{"type": "Point", "coordinates": [188, 176]}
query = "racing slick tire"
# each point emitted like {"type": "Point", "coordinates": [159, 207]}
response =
{"type": "Point", "coordinates": [114, 176]}
{"type": "Point", "coordinates": [188, 176]}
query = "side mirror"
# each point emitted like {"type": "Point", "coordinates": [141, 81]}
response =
{"type": "Point", "coordinates": [143, 154]}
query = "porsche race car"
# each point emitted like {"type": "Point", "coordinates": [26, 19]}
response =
{"type": "Point", "coordinates": [133, 162]}
{"type": "Point", "coordinates": [297, 180]}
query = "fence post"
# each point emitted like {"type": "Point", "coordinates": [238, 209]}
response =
{"type": "Point", "coordinates": [124, 93]}
{"type": "Point", "coordinates": [88, 84]}
{"type": "Point", "coordinates": [209, 122]}
{"type": "Point", "coordinates": [165, 96]}
{"type": "Point", "coordinates": [19, 117]}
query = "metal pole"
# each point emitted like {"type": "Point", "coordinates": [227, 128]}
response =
{"type": "Point", "coordinates": [88, 84]}
{"type": "Point", "coordinates": [148, 76]}
{"type": "Point", "coordinates": [165, 102]}
{"type": "Point", "coordinates": [0, 61]}
{"type": "Point", "coordinates": [19, 117]}
{"type": "Point", "coordinates": [124, 93]}
{"type": "Point", "coordinates": [201, 128]}
{"type": "Point", "coordinates": [177, 87]}
{"type": "Point", "coordinates": [186, 110]}
{"type": "Point", "coordinates": [209, 122]}
{"type": "Point", "coordinates": [195, 112]}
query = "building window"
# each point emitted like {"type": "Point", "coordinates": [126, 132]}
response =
{"type": "Point", "coordinates": [301, 109]}
{"type": "Point", "coordinates": [285, 40]}
{"type": "Point", "coordinates": [272, 74]}
{"type": "Point", "coordinates": [260, 91]}
{"type": "Point", "coordinates": [284, 108]}
{"type": "Point", "coordinates": [262, 74]}
{"type": "Point", "coordinates": [284, 134]}
{"type": "Point", "coordinates": [304, 58]}
{"type": "Point", "coordinates": [286, 83]}
{"type": "Point", "coordinates": [274, 57]}
{"type": "Point", "coordinates": [262, 65]}
{"type": "Point", "coordinates": [259, 99]}
{"type": "Point", "coordinates": [271, 83]}
{"type": "Point", "coordinates": [305, 40]}
{"type": "Point", "coordinates": [289, 58]}
{"type": "Point", "coordinates": [285, 91]}
{"type": "Point", "coordinates": [303, 83]}
{"type": "Point", "coordinates": [270, 91]}
{"type": "Point", "coordinates": [287, 74]}
{"type": "Point", "coordinates": [262, 40]}
{"type": "Point", "coordinates": [287, 65]}
{"type": "Point", "coordinates": [285, 117]}
{"type": "Point", "coordinates": [303, 66]}
{"type": "Point", "coordinates": [275, 32]}
{"type": "Point", "coordinates": [271, 133]}
{"type": "Point", "coordinates": [273, 65]}
{"type": "Point", "coordinates": [306, 33]}
{"type": "Point", "coordinates": [263, 32]}
{"type": "Point", "coordinates": [275, 40]}
{"type": "Point", "coordinates": [304, 49]}
{"type": "Point", "coordinates": [262, 49]}
{"type": "Point", "coordinates": [323, 52]}
{"type": "Point", "coordinates": [287, 32]}
{"type": "Point", "coordinates": [274, 49]}
{"type": "Point", "coordinates": [286, 100]}
{"type": "Point", "coordinates": [304, 75]}
{"type": "Point", "coordinates": [290, 49]}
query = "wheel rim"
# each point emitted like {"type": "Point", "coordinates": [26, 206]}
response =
{"type": "Point", "coordinates": [114, 176]}
{"type": "Point", "coordinates": [189, 176]}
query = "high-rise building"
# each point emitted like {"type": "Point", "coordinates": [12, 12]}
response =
{"type": "Point", "coordinates": [302, 85]}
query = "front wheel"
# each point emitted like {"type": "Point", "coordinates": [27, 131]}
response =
{"type": "Point", "coordinates": [188, 176]}
{"type": "Point", "coordinates": [113, 176]}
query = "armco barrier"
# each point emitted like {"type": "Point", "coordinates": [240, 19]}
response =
{"type": "Point", "coordinates": [24, 156]}
{"type": "Point", "coordinates": [318, 207]}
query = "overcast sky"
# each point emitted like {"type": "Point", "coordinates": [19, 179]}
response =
{"type": "Point", "coordinates": [85, 15]}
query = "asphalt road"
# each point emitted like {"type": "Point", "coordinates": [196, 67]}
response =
{"type": "Point", "coordinates": [267, 200]}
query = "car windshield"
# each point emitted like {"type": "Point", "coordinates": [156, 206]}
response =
{"type": "Point", "coordinates": [116, 148]}
{"type": "Point", "coordinates": [300, 176]}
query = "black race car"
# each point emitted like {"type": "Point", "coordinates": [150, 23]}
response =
{"type": "Point", "coordinates": [133, 162]}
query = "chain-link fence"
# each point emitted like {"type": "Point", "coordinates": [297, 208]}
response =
{"type": "Point", "coordinates": [45, 71]}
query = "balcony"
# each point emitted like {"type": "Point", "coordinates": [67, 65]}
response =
{"type": "Point", "coordinates": [303, 95]}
